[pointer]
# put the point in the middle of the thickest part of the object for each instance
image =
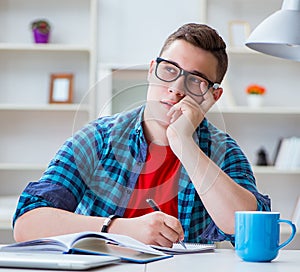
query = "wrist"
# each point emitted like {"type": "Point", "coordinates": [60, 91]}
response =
{"type": "Point", "coordinates": [179, 146]}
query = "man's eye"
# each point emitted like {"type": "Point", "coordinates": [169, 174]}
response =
{"type": "Point", "coordinates": [170, 69]}
{"type": "Point", "coordinates": [195, 80]}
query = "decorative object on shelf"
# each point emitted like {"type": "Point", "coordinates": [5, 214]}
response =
{"type": "Point", "coordinates": [278, 35]}
{"type": "Point", "coordinates": [262, 158]}
{"type": "Point", "coordinates": [255, 95]}
{"type": "Point", "coordinates": [61, 88]}
{"type": "Point", "coordinates": [41, 30]}
{"type": "Point", "coordinates": [239, 31]}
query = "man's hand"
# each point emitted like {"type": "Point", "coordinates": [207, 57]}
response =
{"type": "Point", "coordinates": [156, 228]}
{"type": "Point", "coordinates": [186, 116]}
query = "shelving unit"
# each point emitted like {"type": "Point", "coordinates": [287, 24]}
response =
{"type": "Point", "coordinates": [31, 128]}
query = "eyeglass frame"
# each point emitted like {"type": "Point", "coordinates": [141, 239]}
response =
{"type": "Point", "coordinates": [185, 74]}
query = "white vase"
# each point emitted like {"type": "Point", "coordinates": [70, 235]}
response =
{"type": "Point", "coordinates": [255, 100]}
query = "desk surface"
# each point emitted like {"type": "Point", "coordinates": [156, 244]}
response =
{"type": "Point", "coordinates": [224, 260]}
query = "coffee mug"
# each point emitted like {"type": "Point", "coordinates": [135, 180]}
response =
{"type": "Point", "coordinates": [257, 235]}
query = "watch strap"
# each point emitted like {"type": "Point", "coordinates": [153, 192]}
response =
{"type": "Point", "coordinates": [108, 221]}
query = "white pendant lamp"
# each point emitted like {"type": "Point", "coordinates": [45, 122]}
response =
{"type": "Point", "coordinates": [279, 34]}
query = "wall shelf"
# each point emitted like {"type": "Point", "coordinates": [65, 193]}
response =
{"type": "Point", "coordinates": [256, 111]}
{"type": "Point", "coordinates": [271, 170]}
{"type": "Point", "coordinates": [44, 47]}
{"type": "Point", "coordinates": [47, 107]}
{"type": "Point", "coordinates": [22, 166]}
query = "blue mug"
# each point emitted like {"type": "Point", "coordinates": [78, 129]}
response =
{"type": "Point", "coordinates": [257, 235]}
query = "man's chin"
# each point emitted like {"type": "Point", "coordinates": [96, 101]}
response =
{"type": "Point", "coordinates": [163, 122]}
{"type": "Point", "coordinates": [158, 114]}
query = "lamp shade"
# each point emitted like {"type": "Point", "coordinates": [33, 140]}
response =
{"type": "Point", "coordinates": [279, 34]}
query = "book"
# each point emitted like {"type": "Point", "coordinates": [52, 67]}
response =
{"type": "Point", "coordinates": [287, 155]}
{"type": "Point", "coordinates": [99, 243]}
{"type": "Point", "coordinates": [296, 213]}
{"type": "Point", "coordinates": [190, 248]}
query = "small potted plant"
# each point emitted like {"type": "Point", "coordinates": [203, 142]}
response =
{"type": "Point", "coordinates": [255, 95]}
{"type": "Point", "coordinates": [41, 30]}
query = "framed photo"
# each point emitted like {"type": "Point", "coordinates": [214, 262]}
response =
{"type": "Point", "coordinates": [296, 213]}
{"type": "Point", "coordinates": [61, 88]}
{"type": "Point", "coordinates": [239, 31]}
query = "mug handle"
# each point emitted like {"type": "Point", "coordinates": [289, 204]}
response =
{"type": "Point", "coordinates": [292, 234]}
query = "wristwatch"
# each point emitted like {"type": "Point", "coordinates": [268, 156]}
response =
{"type": "Point", "coordinates": [108, 221]}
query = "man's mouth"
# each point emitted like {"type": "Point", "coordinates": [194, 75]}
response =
{"type": "Point", "coordinates": [168, 102]}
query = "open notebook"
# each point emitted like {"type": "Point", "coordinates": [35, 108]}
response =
{"type": "Point", "coordinates": [92, 243]}
{"type": "Point", "coordinates": [190, 248]}
{"type": "Point", "coordinates": [107, 244]}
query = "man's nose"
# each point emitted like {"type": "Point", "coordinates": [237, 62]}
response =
{"type": "Point", "coordinates": [178, 86]}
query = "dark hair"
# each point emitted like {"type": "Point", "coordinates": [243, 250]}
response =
{"type": "Point", "coordinates": [205, 37]}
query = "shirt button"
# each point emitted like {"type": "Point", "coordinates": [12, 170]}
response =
{"type": "Point", "coordinates": [128, 191]}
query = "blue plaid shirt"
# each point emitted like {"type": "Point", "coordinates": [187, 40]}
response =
{"type": "Point", "coordinates": [95, 172]}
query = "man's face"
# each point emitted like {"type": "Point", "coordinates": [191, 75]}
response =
{"type": "Point", "coordinates": [162, 95]}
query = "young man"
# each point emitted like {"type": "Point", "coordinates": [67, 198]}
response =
{"type": "Point", "coordinates": [165, 150]}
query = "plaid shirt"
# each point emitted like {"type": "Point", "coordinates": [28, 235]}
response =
{"type": "Point", "coordinates": [95, 172]}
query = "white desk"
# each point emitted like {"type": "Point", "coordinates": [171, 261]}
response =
{"type": "Point", "coordinates": [224, 260]}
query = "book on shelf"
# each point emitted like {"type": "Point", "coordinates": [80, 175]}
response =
{"type": "Point", "coordinates": [296, 213]}
{"type": "Point", "coordinates": [99, 243]}
{"type": "Point", "coordinates": [287, 155]}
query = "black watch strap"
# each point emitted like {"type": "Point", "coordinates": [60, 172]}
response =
{"type": "Point", "coordinates": [108, 221]}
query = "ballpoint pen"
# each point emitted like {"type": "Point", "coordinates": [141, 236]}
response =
{"type": "Point", "coordinates": [155, 207]}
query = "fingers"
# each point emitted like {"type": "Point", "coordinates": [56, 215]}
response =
{"type": "Point", "coordinates": [208, 101]}
{"type": "Point", "coordinates": [193, 106]}
{"type": "Point", "coordinates": [176, 231]}
{"type": "Point", "coordinates": [164, 229]}
{"type": "Point", "coordinates": [156, 228]}
{"type": "Point", "coordinates": [175, 112]}
{"type": "Point", "coordinates": [185, 106]}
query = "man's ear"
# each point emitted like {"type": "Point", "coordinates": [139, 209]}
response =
{"type": "Point", "coordinates": [217, 93]}
{"type": "Point", "coordinates": [151, 69]}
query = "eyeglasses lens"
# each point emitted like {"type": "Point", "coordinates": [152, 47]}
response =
{"type": "Point", "coordinates": [169, 72]}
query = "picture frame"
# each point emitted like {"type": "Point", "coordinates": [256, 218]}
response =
{"type": "Point", "coordinates": [239, 31]}
{"type": "Point", "coordinates": [296, 213]}
{"type": "Point", "coordinates": [61, 88]}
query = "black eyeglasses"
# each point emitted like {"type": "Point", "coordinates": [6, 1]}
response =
{"type": "Point", "coordinates": [169, 71]}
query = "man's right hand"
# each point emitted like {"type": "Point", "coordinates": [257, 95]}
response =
{"type": "Point", "coordinates": [156, 228]}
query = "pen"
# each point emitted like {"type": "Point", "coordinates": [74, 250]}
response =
{"type": "Point", "coordinates": [155, 207]}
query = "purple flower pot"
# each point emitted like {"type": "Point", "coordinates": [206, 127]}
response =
{"type": "Point", "coordinates": [40, 37]}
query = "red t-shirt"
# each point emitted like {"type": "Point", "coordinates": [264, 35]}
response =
{"type": "Point", "coordinates": [159, 181]}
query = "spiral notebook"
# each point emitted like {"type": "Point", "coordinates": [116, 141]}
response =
{"type": "Point", "coordinates": [190, 248]}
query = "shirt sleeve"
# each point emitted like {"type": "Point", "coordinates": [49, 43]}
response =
{"type": "Point", "coordinates": [64, 182]}
{"type": "Point", "coordinates": [234, 163]}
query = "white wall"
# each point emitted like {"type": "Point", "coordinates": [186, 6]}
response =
{"type": "Point", "coordinates": [132, 31]}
